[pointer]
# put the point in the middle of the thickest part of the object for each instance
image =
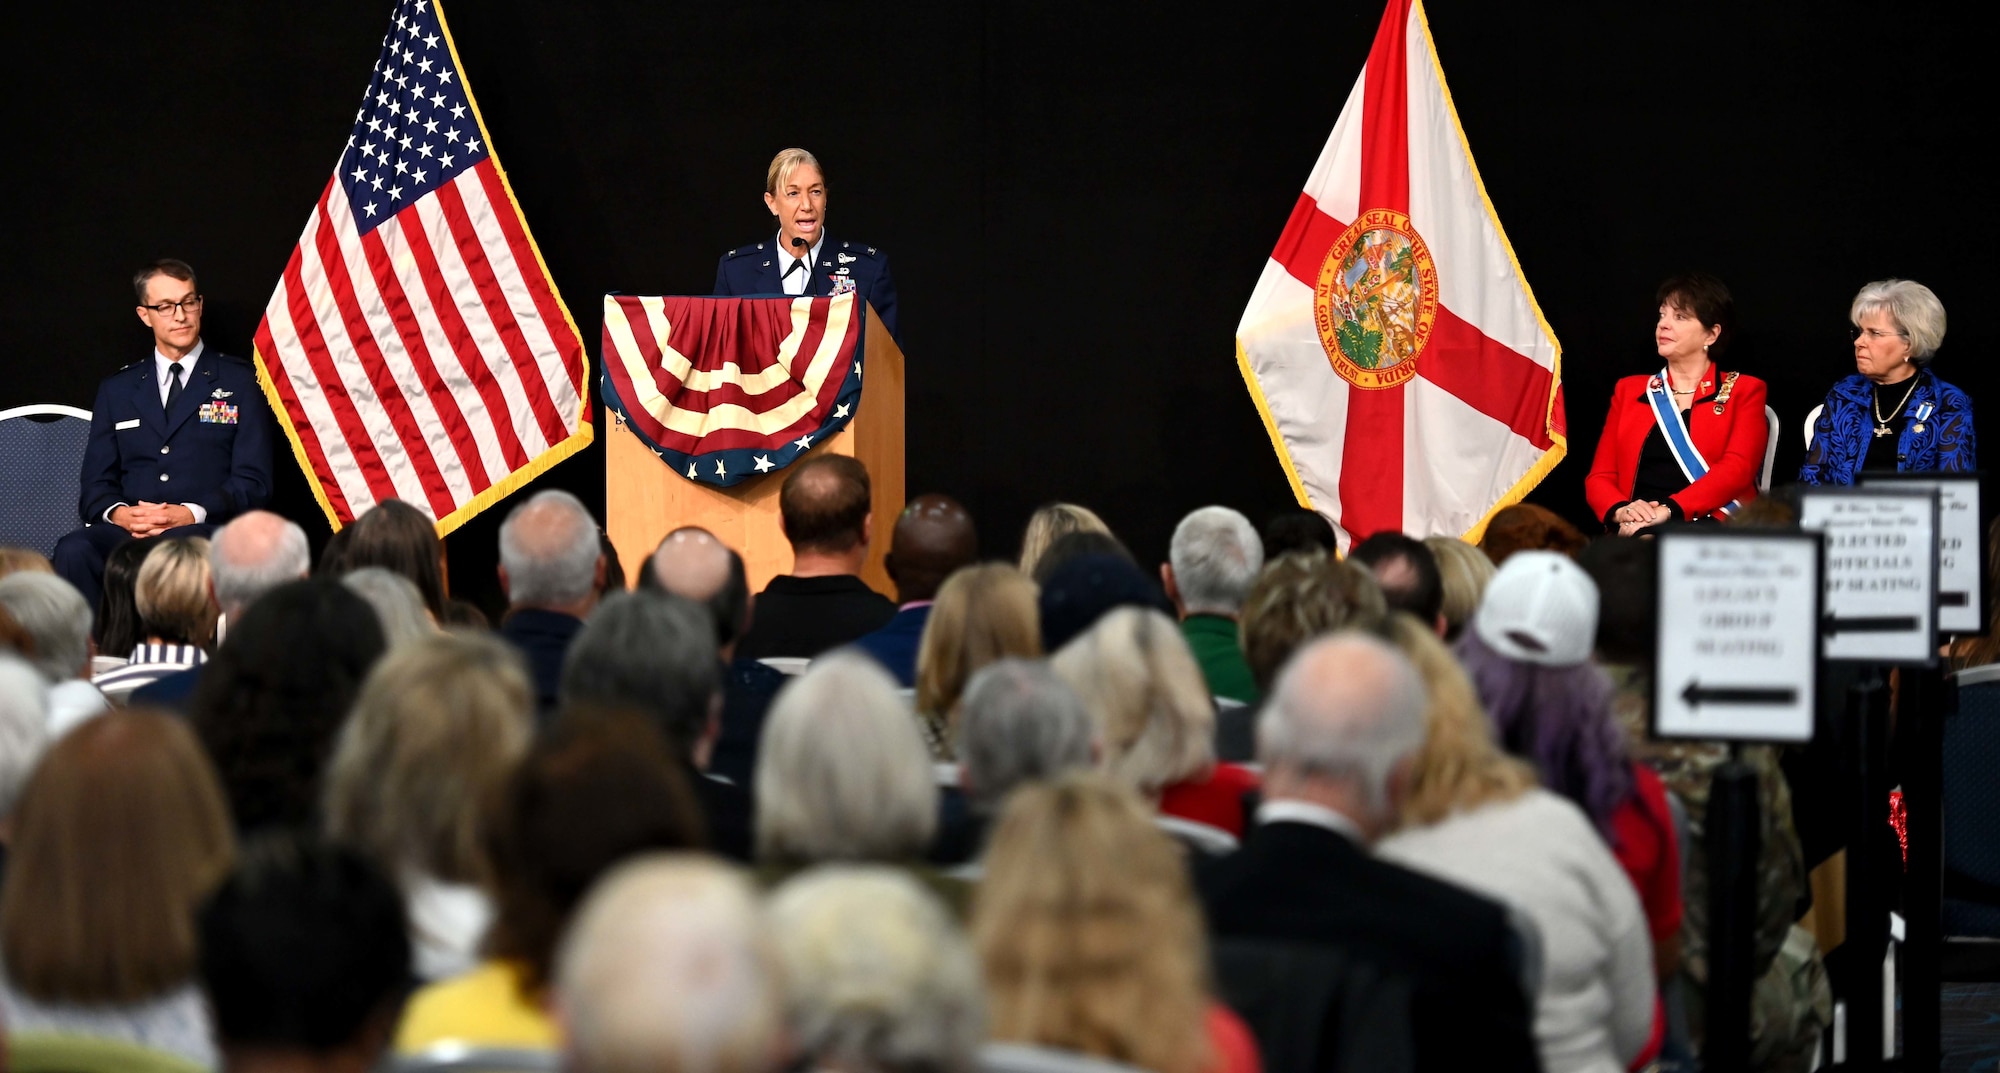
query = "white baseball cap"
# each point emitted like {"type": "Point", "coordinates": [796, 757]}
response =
{"type": "Point", "coordinates": [1541, 608]}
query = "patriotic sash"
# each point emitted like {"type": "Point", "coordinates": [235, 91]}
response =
{"type": "Point", "coordinates": [1679, 443]}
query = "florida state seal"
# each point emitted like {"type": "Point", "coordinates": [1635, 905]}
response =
{"type": "Point", "coordinates": [1376, 300]}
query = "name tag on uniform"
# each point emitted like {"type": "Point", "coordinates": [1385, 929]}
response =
{"type": "Point", "coordinates": [218, 413]}
{"type": "Point", "coordinates": [123, 425]}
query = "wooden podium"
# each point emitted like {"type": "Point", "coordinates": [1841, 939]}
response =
{"type": "Point", "coordinates": [644, 499]}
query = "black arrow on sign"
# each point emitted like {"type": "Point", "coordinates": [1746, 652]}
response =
{"type": "Point", "coordinates": [1831, 625]}
{"type": "Point", "coordinates": [1954, 599]}
{"type": "Point", "coordinates": [1697, 695]}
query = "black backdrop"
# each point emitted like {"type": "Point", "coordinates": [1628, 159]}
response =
{"type": "Point", "coordinates": [1078, 199]}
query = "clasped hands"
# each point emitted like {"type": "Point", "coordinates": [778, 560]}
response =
{"type": "Point", "coordinates": [151, 519]}
{"type": "Point", "coordinates": [1639, 514]}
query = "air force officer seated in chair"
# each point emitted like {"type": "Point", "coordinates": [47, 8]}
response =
{"type": "Point", "coordinates": [802, 259]}
{"type": "Point", "coordinates": [180, 442]}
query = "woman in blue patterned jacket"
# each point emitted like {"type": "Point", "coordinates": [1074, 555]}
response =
{"type": "Point", "coordinates": [1893, 413]}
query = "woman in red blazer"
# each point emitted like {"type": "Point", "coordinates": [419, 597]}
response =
{"type": "Point", "coordinates": [1685, 443]}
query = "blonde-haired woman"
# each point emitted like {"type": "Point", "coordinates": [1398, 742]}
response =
{"type": "Point", "coordinates": [176, 617]}
{"type": "Point", "coordinates": [1051, 522]}
{"type": "Point", "coordinates": [1090, 937]}
{"type": "Point", "coordinates": [982, 614]}
{"type": "Point", "coordinates": [1479, 818]}
{"type": "Point", "coordinates": [1155, 723]}
{"type": "Point", "coordinates": [1464, 571]}
{"type": "Point", "coordinates": [437, 728]}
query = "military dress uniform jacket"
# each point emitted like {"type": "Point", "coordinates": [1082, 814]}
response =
{"type": "Point", "coordinates": [842, 267]}
{"type": "Point", "coordinates": [213, 448]}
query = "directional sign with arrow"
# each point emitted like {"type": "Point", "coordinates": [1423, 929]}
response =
{"type": "Point", "coordinates": [1739, 624]}
{"type": "Point", "coordinates": [1881, 577]}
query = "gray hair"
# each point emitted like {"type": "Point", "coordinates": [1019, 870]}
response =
{"type": "Point", "coordinates": [1216, 554]}
{"type": "Point", "coordinates": [1018, 722]}
{"type": "Point", "coordinates": [650, 652]}
{"type": "Point", "coordinates": [396, 601]}
{"type": "Point", "coordinates": [24, 726]}
{"type": "Point", "coordinates": [1915, 309]}
{"type": "Point", "coordinates": [252, 555]}
{"type": "Point", "coordinates": [1153, 713]}
{"type": "Point", "coordinates": [843, 773]}
{"type": "Point", "coordinates": [549, 547]}
{"type": "Point", "coordinates": [880, 976]}
{"type": "Point", "coordinates": [668, 965]}
{"type": "Point", "coordinates": [1345, 706]}
{"type": "Point", "coordinates": [55, 615]}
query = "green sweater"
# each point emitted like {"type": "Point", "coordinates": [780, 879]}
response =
{"type": "Point", "coordinates": [1216, 648]}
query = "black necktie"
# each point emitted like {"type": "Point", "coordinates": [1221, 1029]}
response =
{"type": "Point", "coordinates": [174, 388]}
{"type": "Point", "coordinates": [797, 264]}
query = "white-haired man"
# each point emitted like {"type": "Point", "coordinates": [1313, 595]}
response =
{"type": "Point", "coordinates": [669, 966]}
{"type": "Point", "coordinates": [252, 555]}
{"type": "Point", "coordinates": [551, 568]}
{"type": "Point", "coordinates": [1211, 564]}
{"type": "Point", "coordinates": [57, 618]}
{"type": "Point", "coordinates": [1336, 737]}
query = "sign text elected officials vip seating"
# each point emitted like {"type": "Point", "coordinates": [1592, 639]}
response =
{"type": "Point", "coordinates": [1880, 586]}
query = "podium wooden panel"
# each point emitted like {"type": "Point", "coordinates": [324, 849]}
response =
{"type": "Point", "coordinates": [644, 499]}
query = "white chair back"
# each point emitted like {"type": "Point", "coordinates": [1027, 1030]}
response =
{"type": "Point", "coordinates": [1770, 448]}
{"type": "Point", "coordinates": [789, 666]}
{"type": "Point", "coordinates": [1812, 418]}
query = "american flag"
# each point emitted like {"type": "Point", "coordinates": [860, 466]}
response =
{"type": "Point", "coordinates": [416, 348]}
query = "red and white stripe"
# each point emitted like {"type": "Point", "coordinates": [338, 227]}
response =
{"type": "Point", "coordinates": [427, 360]}
{"type": "Point", "coordinates": [1481, 421]}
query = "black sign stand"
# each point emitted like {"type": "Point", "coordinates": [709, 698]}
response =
{"type": "Point", "coordinates": [1733, 848]}
{"type": "Point", "coordinates": [1926, 699]}
{"type": "Point", "coordinates": [1867, 898]}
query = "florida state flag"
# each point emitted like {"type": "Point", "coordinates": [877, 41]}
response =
{"type": "Point", "coordinates": [1404, 372]}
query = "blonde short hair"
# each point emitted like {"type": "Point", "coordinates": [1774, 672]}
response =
{"type": "Point", "coordinates": [1051, 522]}
{"type": "Point", "coordinates": [1299, 596]}
{"type": "Point", "coordinates": [983, 613]}
{"type": "Point", "coordinates": [785, 163]}
{"type": "Point", "coordinates": [1088, 929]}
{"type": "Point", "coordinates": [172, 592]}
{"type": "Point", "coordinates": [1459, 766]}
{"type": "Point", "coordinates": [1154, 715]}
{"type": "Point", "coordinates": [1915, 309]}
{"type": "Point", "coordinates": [438, 726]}
{"type": "Point", "coordinates": [1463, 571]}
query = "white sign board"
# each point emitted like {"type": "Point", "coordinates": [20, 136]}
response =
{"type": "Point", "coordinates": [1880, 571]}
{"type": "Point", "coordinates": [1738, 636]}
{"type": "Point", "coordinates": [1961, 603]}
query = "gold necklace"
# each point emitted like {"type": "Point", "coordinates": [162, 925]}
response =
{"type": "Point", "coordinates": [1882, 423]}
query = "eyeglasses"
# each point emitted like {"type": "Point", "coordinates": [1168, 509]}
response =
{"type": "Point", "coordinates": [1872, 333]}
{"type": "Point", "coordinates": [192, 303]}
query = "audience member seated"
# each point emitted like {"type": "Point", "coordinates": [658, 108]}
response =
{"type": "Point", "coordinates": [595, 788]}
{"type": "Point", "coordinates": [437, 727]}
{"type": "Point", "coordinates": [176, 617]}
{"type": "Point", "coordinates": [1299, 530]}
{"type": "Point", "coordinates": [692, 564]}
{"type": "Point", "coordinates": [1090, 937]}
{"type": "Point", "coordinates": [1463, 571]}
{"type": "Point", "coordinates": [1298, 596]}
{"type": "Point", "coordinates": [1077, 593]}
{"type": "Point", "coordinates": [398, 606]}
{"type": "Point", "coordinates": [403, 539]}
{"type": "Point", "coordinates": [255, 553]}
{"type": "Point", "coordinates": [1050, 523]}
{"type": "Point", "coordinates": [655, 654]}
{"type": "Point", "coordinates": [24, 736]}
{"type": "Point", "coordinates": [1077, 545]}
{"type": "Point", "coordinates": [983, 613]}
{"type": "Point", "coordinates": [844, 776]}
{"type": "Point", "coordinates": [117, 629]}
{"type": "Point", "coordinates": [1790, 994]}
{"type": "Point", "coordinates": [823, 603]}
{"type": "Point", "coordinates": [1338, 732]}
{"type": "Point", "coordinates": [1408, 574]}
{"type": "Point", "coordinates": [551, 569]}
{"type": "Point", "coordinates": [878, 975]}
{"type": "Point", "coordinates": [56, 619]}
{"type": "Point", "coordinates": [271, 704]}
{"type": "Point", "coordinates": [118, 836]}
{"type": "Point", "coordinates": [1476, 817]}
{"type": "Point", "coordinates": [16, 560]}
{"type": "Point", "coordinates": [670, 966]}
{"type": "Point", "coordinates": [1155, 724]}
{"type": "Point", "coordinates": [1211, 563]}
{"type": "Point", "coordinates": [1019, 723]}
{"type": "Point", "coordinates": [934, 537]}
{"type": "Point", "coordinates": [304, 959]}
{"type": "Point", "coordinates": [1528, 655]}
{"type": "Point", "coordinates": [1529, 527]}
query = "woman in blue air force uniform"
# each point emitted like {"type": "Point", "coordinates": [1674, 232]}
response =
{"type": "Point", "coordinates": [1893, 413]}
{"type": "Point", "coordinates": [802, 259]}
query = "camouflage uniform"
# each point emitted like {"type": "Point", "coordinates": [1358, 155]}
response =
{"type": "Point", "coordinates": [1791, 1000]}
